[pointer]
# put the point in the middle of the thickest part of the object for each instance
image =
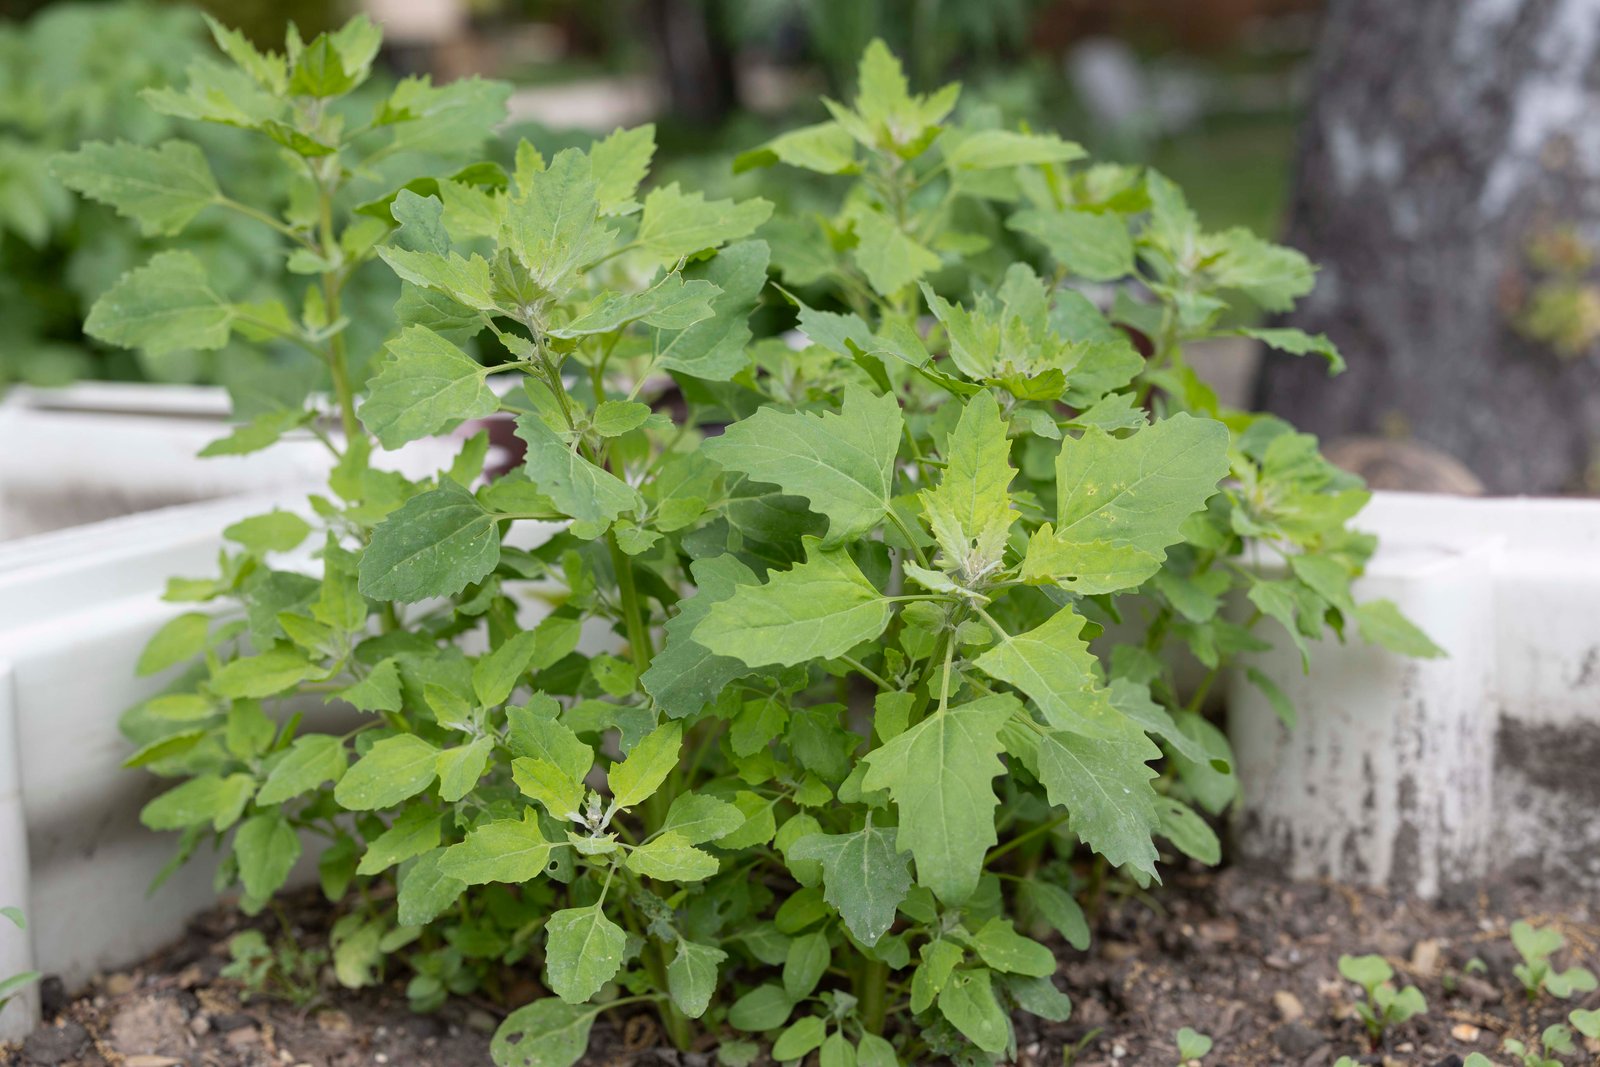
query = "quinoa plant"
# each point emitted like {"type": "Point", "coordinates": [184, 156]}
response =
{"type": "Point", "coordinates": [760, 690]}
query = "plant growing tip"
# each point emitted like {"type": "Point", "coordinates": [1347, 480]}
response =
{"type": "Point", "coordinates": [630, 750]}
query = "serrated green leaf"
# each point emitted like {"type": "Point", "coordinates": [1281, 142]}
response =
{"type": "Point", "coordinates": [969, 510]}
{"type": "Point", "coordinates": [842, 462]}
{"type": "Point", "coordinates": [1086, 567]}
{"type": "Point", "coordinates": [714, 349]}
{"type": "Point", "coordinates": [817, 610]}
{"type": "Point", "coordinates": [620, 162]}
{"type": "Point", "coordinates": [428, 386]}
{"type": "Point", "coordinates": [165, 306]}
{"type": "Point", "coordinates": [670, 304]}
{"type": "Point", "coordinates": [889, 257]}
{"type": "Point", "coordinates": [583, 952]}
{"type": "Point", "coordinates": [676, 224]}
{"type": "Point", "coordinates": [1298, 343]}
{"type": "Point", "coordinates": [685, 676]}
{"type": "Point", "coordinates": [939, 773]}
{"type": "Point", "coordinates": [505, 850]}
{"type": "Point", "coordinates": [1139, 489]}
{"type": "Point", "coordinates": [435, 545]}
{"type": "Point", "coordinates": [554, 228]}
{"type": "Point", "coordinates": [378, 691]}
{"type": "Point", "coordinates": [863, 875]}
{"type": "Point", "coordinates": [1052, 664]}
{"type": "Point", "coordinates": [311, 761]}
{"type": "Point", "coordinates": [1105, 787]}
{"type": "Point", "coordinates": [592, 497]}
{"type": "Point", "coordinates": [161, 188]}
{"type": "Point", "coordinates": [1091, 245]}
{"type": "Point", "coordinates": [394, 769]}
{"type": "Point", "coordinates": [466, 280]}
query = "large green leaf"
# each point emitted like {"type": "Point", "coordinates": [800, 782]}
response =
{"type": "Point", "coordinates": [161, 188]}
{"type": "Point", "coordinates": [1052, 664]}
{"type": "Point", "coordinates": [819, 609]}
{"type": "Point", "coordinates": [583, 952]}
{"type": "Point", "coordinates": [670, 304]}
{"type": "Point", "coordinates": [435, 545]}
{"type": "Point", "coordinates": [394, 769]}
{"type": "Point", "coordinates": [1105, 787]}
{"type": "Point", "coordinates": [592, 497]}
{"type": "Point", "coordinates": [685, 676]}
{"type": "Point", "coordinates": [427, 387]}
{"type": "Point", "coordinates": [554, 227]}
{"type": "Point", "coordinates": [843, 462]}
{"type": "Point", "coordinates": [267, 847]}
{"type": "Point", "coordinates": [863, 876]}
{"type": "Point", "coordinates": [1140, 488]}
{"type": "Point", "coordinates": [167, 305]}
{"type": "Point", "coordinates": [939, 773]}
{"type": "Point", "coordinates": [676, 224]}
{"type": "Point", "coordinates": [310, 761]}
{"type": "Point", "coordinates": [715, 349]}
{"type": "Point", "coordinates": [505, 850]}
{"type": "Point", "coordinates": [546, 1033]}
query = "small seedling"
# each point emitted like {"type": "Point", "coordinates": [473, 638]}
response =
{"type": "Point", "coordinates": [1555, 1039]}
{"type": "Point", "coordinates": [1070, 1054]}
{"type": "Point", "coordinates": [1385, 1005]}
{"type": "Point", "coordinates": [1586, 1023]}
{"type": "Point", "coordinates": [1192, 1046]}
{"type": "Point", "coordinates": [1478, 1059]}
{"type": "Point", "coordinates": [10, 987]}
{"type": "Point", "coordinates": [1535, 972]}
{"type": "Point", "coordinates": [284, 969]}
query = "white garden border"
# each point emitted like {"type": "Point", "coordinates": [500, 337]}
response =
{"type": "Point", "coordinates": [76, 608]}
{"type": "Point", "coordinates": [1422, 775]}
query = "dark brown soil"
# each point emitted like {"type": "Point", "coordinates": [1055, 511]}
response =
{"type": "Point", "coordinates": [1234, 954]}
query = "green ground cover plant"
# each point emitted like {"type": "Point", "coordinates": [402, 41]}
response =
{"type": "Point", "coordinates": [791, 684]}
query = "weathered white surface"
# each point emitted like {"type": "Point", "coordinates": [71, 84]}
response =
{"type": "Point", "coordinates": [100, 449]}
{"type": "Point", "coordinates": [1420, 775]}
{"type": "Point", "coordinates": [75, 610]}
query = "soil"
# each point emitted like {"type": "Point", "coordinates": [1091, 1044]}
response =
{"type": "Point", "coordinates": [1235, 954]}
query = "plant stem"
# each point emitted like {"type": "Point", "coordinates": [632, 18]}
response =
{"type": "Point", "coordinates": [1022, 838]}
{"type": "Point", "coordinates": [632, 617]}
{"type": "Point", "coordinates": [872, 987]}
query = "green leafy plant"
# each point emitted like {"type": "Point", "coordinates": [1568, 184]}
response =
{"type": "Point", "coordinates": [761, 690]}
{"type": "Point", "coordinates": [1385, 1004]}
{"type": "Point", "coordinates": [1193, 1046]}
{"type": "Point", "coordinates": [11, 985]}
{"type": "Point", "coordinates": [282, 967]}
{"type": "Point", "coordinates": [1554, 1042]}
{"type": "Point", "coordinates": [1586, 1023]}
{"type": "Point", "coordinates": [1536, 946]}
{"type": "Point", "coordinates": [1477, 1059]}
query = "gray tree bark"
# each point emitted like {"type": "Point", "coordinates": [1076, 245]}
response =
{"type": "Point", "coordinates": [1443, 136]}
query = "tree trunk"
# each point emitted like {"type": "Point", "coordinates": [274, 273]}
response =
{"type": "Point", "coordinates": [1443, 137]}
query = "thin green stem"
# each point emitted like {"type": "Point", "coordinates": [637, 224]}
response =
{"type": "Point", "coordinates": [1023, 838]}
{"type": "Point", "coordinates": [905, 531]}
